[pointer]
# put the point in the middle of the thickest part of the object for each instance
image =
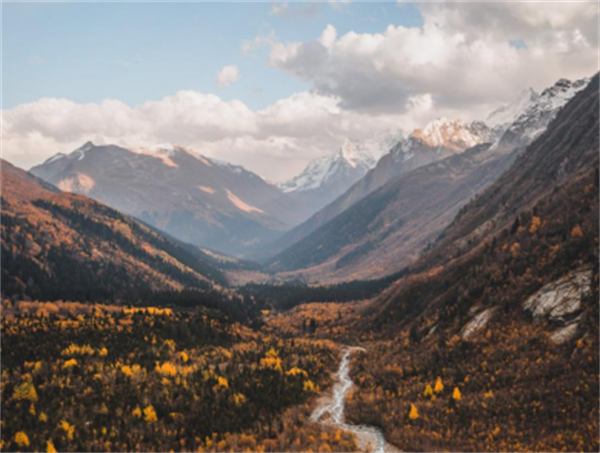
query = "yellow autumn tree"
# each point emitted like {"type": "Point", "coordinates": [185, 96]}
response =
{"type": "Point", "coordinates": [21, 439]}
{"type": "Point", "coordinates": [150, 415]}
{"type": "Point", "coordinates": [25, 391]}
{"type": "Point", "coordinates": [428, 392]}
{"type": "Point", "coordinates": [414, 412]}
{"type": "Point", "coordinates": [222, 382]}
{"type": "Point", "coordinates": [50, 447]}
{"type": "Point", "coordinates": [535, 224]}
{"type": "Point", "coordinates": [456, 395]}
{"type": "Point", "coordinates": [439, 386]}
{"type": "Point", "coordinates": [309, 386]}
{"type": "Point", "coordinates": [67, 428]}
{"type": "Point", "coordinates": [167, 369]}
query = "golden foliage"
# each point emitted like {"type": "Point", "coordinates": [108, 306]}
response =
{"type": "Point", "coordinates": [25, 391]}
{"type": "Point", "coordinates": [150, 414]}
{"type": "Point", "coordinates": [414, 412]}
{"type": "Point", "coordinates": [21, 439]}
{"type": "Point", "coordinates": [456, 395]}
{"type": "Point", "coordinates": [439, 386]}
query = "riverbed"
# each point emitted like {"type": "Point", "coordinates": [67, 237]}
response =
{"type": "Point", "coordinates": [330, 410]}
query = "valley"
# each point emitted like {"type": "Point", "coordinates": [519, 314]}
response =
{"type": "Point", "coordinates": [446, 298]}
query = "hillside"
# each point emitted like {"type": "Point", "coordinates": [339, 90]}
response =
{"type": "Point", "coordinates": [510, 127]}
{"type": "Point", "coordinates": [57, 245]}
{"type": "Point", "coordinates": [198, 200]}
{"type": "Point", "coordinates": [502, 312]}
{"type": "Point", "coordinates": [385, 231]}
{"type": "Point", "coordinates": [439, 139]}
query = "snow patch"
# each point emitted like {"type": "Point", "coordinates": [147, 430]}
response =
{"type": "Point", "coordinates": [54, 158]}
{"type": "Point", "coordinates": [207, 189]}
{"type": "Point", "coordinates": [77, 183]}
{"type": "Point", "coordinates": [358, 155]}
{"type": "Point", "coordinates": [241, 205]}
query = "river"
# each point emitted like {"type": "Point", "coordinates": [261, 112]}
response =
{"type": "Point", "coordinates": [368, 438]}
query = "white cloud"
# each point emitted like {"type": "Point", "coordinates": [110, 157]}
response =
{"type": "Point", "coordinates": [459, 64]}
{"type": "Point", "coordinates": [278, 9]}
{"type": "Point", "coordinates": [275, 142]}
{"type": "Point", "coordinates": [259, 42]}
{"type": "Point", "coordinates": [227, 75]}
{"type": "Point", "coordinates": [462, 56]}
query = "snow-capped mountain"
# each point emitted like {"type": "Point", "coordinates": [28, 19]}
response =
{"type": "Point", "coordinates": [194, 198]}
{"type": "Point", "coordinates": [501, 118]}
{"type": "Point", "coordinates": [537, 112]}
{"type": "Point", "coordinates": [327, 177]}
{"type": "Point", "coordinates": [350, 160]}
{"type": "Point", "coordinates": [455, 135]}
{"type": "Point", "coordinates": [440, 138]}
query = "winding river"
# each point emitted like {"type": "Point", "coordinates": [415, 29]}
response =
{"type": "Point", "coordinates": [368, 438]}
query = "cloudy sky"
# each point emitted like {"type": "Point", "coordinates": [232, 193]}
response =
{"type": "Point", "coordinates": [271, 85]}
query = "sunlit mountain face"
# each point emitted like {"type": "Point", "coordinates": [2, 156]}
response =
{"type": "Point", "coordinates": [338, 226]}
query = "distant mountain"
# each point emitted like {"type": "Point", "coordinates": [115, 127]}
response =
{"type": "Point", "coordinates": [439, 139]}
{"type": "Point", "coordinates": [327, 177]}
{"type": "Point", "coordinates": [348, 162]}
{"type": "Point", "coordinates": [58, 245]}
{"type": "Point", "coordinates": [196, 199]}
{"type": "Point", "coordinates": [364, 236]}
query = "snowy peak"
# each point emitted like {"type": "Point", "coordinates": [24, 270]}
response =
{"type": "Point", "coordinates": [455, 135]}
{"type": "Point", "coordinates": [345, 165]}
{"type": "Point", "coordinates": [536, 117]}
{"type": "Point", "coordinates": [505, 115]}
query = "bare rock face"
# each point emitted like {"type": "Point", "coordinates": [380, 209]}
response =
{"type": "Point", "coordinates": [560, 302]}
{"type": "Point", "coordinates": [477, 323]}
{"type": "Point", "coordinates": [562, 297]}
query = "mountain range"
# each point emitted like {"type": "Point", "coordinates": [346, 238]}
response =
{"type": "Point", "coordinates": [57, 245]}
{"type": "Point", "coordinates": [535, 219]}
{"type": "Point", "coordinates": [384, 221]}
{"type": "Point", "coordinates": [369, 208]}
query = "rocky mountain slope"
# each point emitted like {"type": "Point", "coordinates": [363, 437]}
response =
{"type": "Point", "coordinates": [438, 140]}
{"type": "Point", "coordinates": [57, 245]}
{"type": "Point", "coordinates": [534, 225]}
{"type": "Point", "coordinates": [536, 112]}
{"type": "Point", "coordinates": [196, 199]}
{"type": "Point", "coordinates": [384, 232]}
{"type": "Point", "coordinates": [421, 199]}
{"type": "Point", "coordinates": [501, 315]}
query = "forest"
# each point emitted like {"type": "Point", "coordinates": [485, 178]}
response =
{"type": "Point", "coordinates": [109, 378]}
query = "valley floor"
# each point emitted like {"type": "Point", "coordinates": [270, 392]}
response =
{"type": "Point", "coordinates": [109, 378]}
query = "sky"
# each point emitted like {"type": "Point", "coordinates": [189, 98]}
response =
{"type": "Point", "coordinates": [271, 85]}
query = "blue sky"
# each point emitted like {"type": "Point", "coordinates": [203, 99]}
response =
{"type": "Point", "coordinates": [139, 74]}
{"type": "Point", "coordinates": [134, 52]}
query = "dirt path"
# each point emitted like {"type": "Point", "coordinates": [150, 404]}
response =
{"type": "Point", "coordinates": [330, 410]}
